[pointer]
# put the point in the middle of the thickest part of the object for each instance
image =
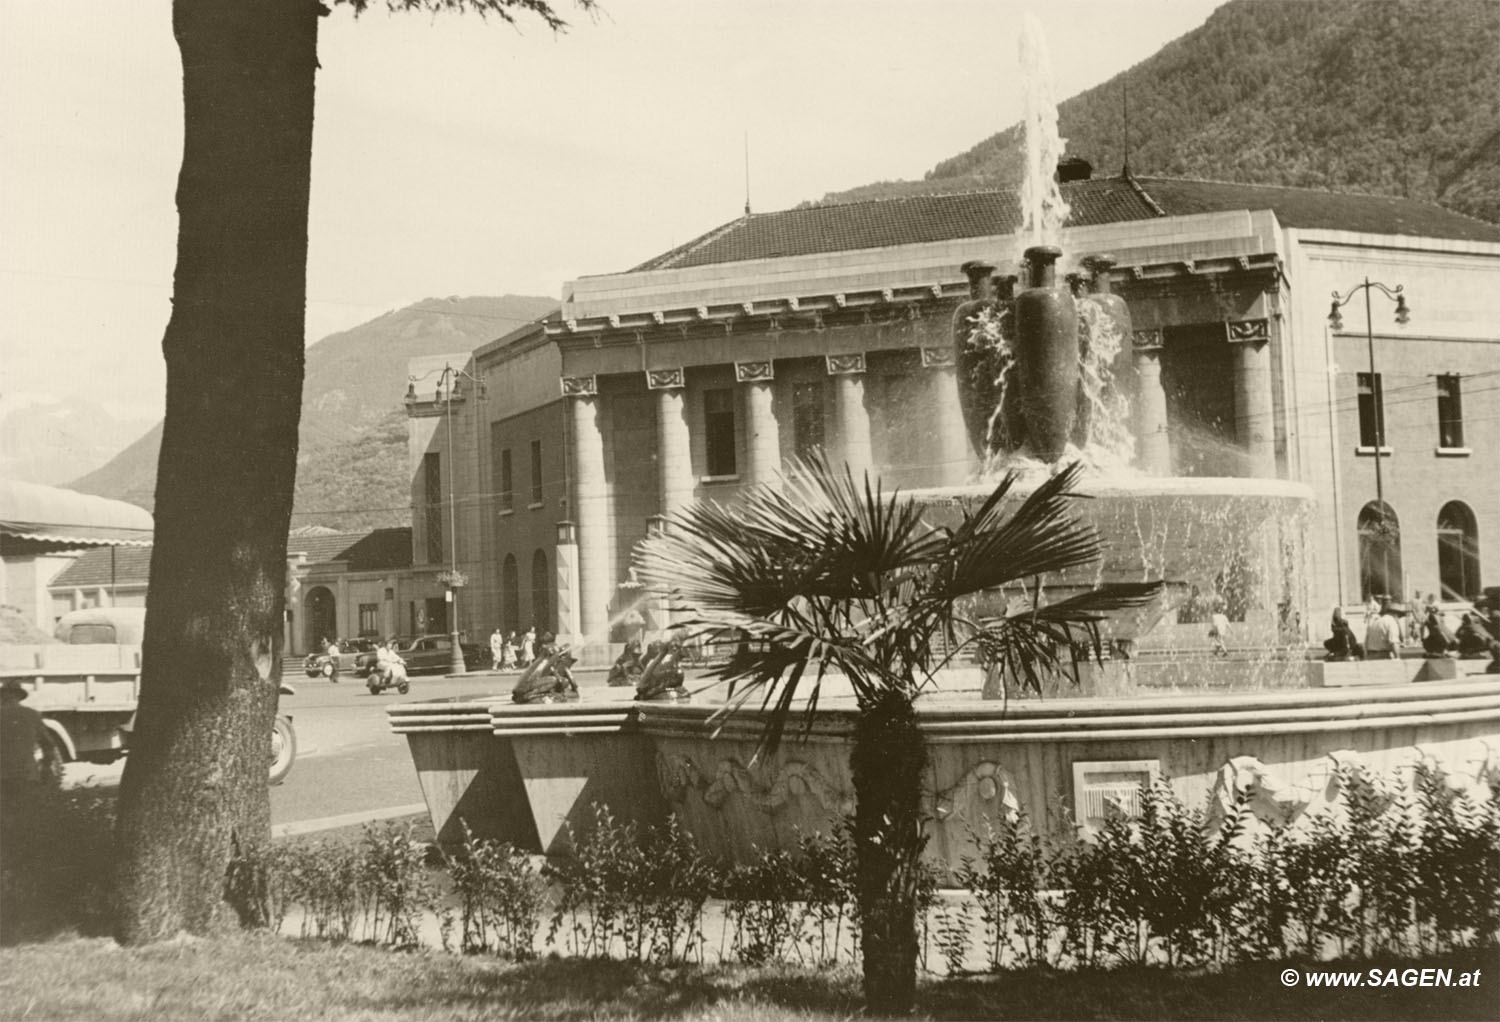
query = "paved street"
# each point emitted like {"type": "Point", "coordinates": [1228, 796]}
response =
{"type": "Point", "coordinates": [348, 762]}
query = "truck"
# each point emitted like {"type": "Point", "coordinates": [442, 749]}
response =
{"type": "Point", "coordinates": [87, 684]}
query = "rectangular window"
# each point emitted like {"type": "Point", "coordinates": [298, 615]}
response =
{"type": "Point", "coordinates": [1450, 412]}
{"type": "Point", "coordinates": [369, 619]}
{"type": "Point", "coordinates": [718, 432]}
{"type": "Point", "coordinates": [1371, 410]}
{"type": "Point", "coordinates": [432, 505]}
{"type": "Point", "coordinates": [807, 418]}
{"type": "Point", "coordinates": [505, 482]}
{"type": "Point", "coordinates": [536, 471]}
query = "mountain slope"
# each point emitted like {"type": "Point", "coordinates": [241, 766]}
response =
{"type": "Point", "coordinates": [1393, 97]}
{"type": "Point", "coordinates": [351, 461]}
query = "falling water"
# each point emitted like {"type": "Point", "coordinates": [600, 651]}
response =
{"type": "Point", "coordinates": [1043, 210]}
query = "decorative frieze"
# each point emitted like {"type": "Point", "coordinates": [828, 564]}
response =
{"type": "Point", "coordinates": [754, 372]}
{"type": "Point", "coordinates": [845, 365]}
{"type": "Point", "coordinates": [664, 379]}
{"type": "Point", "coordinates": [579, 386]}
{"type": "Point", "coordinates": [1146, 340]}
{"type": "Point", "coordinates": [937, 358]}
{"type": "Point", "coordinates": [1249, 331]}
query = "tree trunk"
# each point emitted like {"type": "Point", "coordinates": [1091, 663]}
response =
{"type": "Point", "coordinates": [888, 763]}
{"type": "Point", "coordinates": [194, 791]}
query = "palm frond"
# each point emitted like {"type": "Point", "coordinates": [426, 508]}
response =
{"type": "Point", "coordinates": [1041, 536]}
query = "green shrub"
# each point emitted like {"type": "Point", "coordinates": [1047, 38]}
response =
{"type": "Point", "coordinates": [500, 896]}
{"type": "Point", "coordinates": [56, 863]}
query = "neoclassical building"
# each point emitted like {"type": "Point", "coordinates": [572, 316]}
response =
{"type": "Point", "coordinates": [705, 369]}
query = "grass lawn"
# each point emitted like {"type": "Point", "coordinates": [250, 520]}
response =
{"type": "Point", "coordinates": [262, 977]}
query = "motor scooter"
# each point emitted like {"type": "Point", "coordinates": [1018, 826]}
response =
{"type": "Point", "coordinates": [391, 674]}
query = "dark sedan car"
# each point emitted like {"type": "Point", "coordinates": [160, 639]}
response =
{"type": "Point", "coordinates": [428, 654]}
{"type": "Point", "coordinates": [352, 654]}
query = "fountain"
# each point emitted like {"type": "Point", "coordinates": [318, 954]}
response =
{"type": "Point", "coordinates": [1044, 379]}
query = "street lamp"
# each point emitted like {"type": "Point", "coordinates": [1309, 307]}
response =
{"type": "Point", "coordinates": [1377, 394]}
{"type": "Point", "coordinates": [453, 578]}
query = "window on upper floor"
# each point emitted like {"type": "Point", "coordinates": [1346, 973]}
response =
{"type": "Point", "coordinates": [718, 431]}
{"type": "Point", "coordinates": [505, 482]}
{"type": "Point", "coordinates": [1371, 410]}
{"type": "Point", "coordinates": [1450, 408]}
{"type": "Point", "coordinates": [536, 471]}
{"type": "Point", "coordinates": [807, 418]}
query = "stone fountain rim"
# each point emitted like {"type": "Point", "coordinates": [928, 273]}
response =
{"type": "Point", "coordinates": [1131, 486]}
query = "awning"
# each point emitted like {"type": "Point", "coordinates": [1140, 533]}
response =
{"type": "Point", "coordinates": [46, 519]}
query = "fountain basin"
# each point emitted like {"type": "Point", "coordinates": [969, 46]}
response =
{"type": "Point", "coordinates": [1242, 539]}
{"type": "Point", "coordinates": [524, 774]}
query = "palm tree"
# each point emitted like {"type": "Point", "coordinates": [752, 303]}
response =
{"type": "Point", "coordinates": [828, 575]}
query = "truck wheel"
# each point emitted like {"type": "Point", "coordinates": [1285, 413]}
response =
{"type": "Point", "coordinates": [283, 749]}
{"type": "Point", "coordinates": [50, 759]}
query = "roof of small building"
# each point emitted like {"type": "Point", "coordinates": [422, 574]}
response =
{"type": "Point", "coordinates": [376, 550]}
{"type": "Point", "coordinates": [913, 219]}
{"type": "Point", "coordinates": [132, 567]}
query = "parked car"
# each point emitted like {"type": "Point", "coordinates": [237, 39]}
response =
{"type": "Point", "coordinates": [428, 654]}
{"type": "Point", "coordinates": [351, 657]}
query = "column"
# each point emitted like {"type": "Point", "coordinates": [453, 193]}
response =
{"type": "Point", "coordinates": [762, 436]}
{"type": "Point", "coordinates": [952, 433]}
{"type": "Point", "coordinates": [1253, 426]}
{"type": "Point", "coordinates": [849, 409]}
{"type": "Point", "coordinates": [1153, 455]}
{"type": "Point", "coordinates": [569, 625]}
{"type": "Point", "coordinates": [590, 510]}
{"type": "Point", "coordinates": [674, 452]}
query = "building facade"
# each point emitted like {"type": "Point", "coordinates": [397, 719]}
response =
{"type": "Point", "coordinates": [709, 368]}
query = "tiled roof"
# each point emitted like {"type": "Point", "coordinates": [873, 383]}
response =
{"type": "Point", "coordinates": [913, 219]}
{"type": "Point", "coordinates": [1311, 208]}
{"type": "Point", "coordinates": [132, 567]}
{"type": "Point", "coordinates": [377, 550]}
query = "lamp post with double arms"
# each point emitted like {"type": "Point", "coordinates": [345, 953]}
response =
{"type": "Point", "coordinates": [1377, 393]}
{"type": "Point", "coordinates": [447, 392]}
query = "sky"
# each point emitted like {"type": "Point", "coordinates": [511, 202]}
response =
{"type": "Point", "coordinates": [457, 156]}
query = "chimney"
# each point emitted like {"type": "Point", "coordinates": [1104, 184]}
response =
{"type": "Point", "coordinates": [1074, 168]}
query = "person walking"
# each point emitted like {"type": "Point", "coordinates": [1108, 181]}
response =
{"type": "Point", "coordinates": [497, 649]}
{"type": "Point", "coordinates": [508, 652]}
{"type": "Point", "coordinates": [528, 647]}
{"type": "Point", "coordinates": [1218, 630]}
{"type": "Point", "coordinates": [332, 652]}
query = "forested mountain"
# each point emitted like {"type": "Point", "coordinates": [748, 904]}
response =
{"type": "Point", "coordinates": [351, 461]}
{"type": "Point", "coordinates": [1391, 97]}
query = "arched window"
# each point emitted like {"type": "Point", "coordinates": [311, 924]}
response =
{"type": "Point", "coordinates": [510, 594]}
{"type": "Point", "coordinates": [1379, 552]}
{"type": "Point", "coordinates": [1458, 551]}
{"type": "Point", "coordinates": [541, 592]}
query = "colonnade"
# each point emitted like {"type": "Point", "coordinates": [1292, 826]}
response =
{"type": "Point", "coordinates": [585, 543]}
